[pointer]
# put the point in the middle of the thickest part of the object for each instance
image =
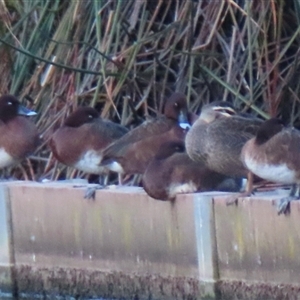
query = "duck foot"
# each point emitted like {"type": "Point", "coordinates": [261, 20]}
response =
{"type": "Point", "coordinates": [90, 192]}
{"type": "Point", "coordinates": [233, 199]}
{"type": "Point", "coordinates": [283, 206]}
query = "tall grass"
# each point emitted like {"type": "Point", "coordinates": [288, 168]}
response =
{"type": "Point", "coordinates": [124, 57]}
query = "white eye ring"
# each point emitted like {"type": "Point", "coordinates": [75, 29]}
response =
{"type": "Point", "coordinates": [9, 103]}
{"type": "Point", "coordinates": [175, 104]}
{"type": "Point", "coordinates": [90, 117]}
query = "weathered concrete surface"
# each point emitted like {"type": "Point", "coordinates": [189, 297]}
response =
{"type": "Point", "coordinates": [90, 283]}
{"type": "Point", "coordinates": [6, 248]}
{"type": "Point", "coordinates": [258, 251]}
{"type": "Point", "coordinates": [123, 243]}
{"type": "Point", "coordinates": [255, 243]}
{"type": "Point", "coordinates": [127, 245]}
{"type": "Point", "coordinates": [55, 224]}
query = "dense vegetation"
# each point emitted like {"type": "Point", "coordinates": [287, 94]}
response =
{"type": "Point", "coordinates": [124, 57]}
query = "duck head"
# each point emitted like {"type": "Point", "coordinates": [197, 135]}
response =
{"type": "Point", "coordinates": [10, 107]}
{"type": "Point", "coordinates": [176, 109]}
{"type": "Point", "coordinates": [81, 116]}
{"type": "Point", "coordinates": [267, 130]}
{"type": "Point", "coordinates": [216, 110]}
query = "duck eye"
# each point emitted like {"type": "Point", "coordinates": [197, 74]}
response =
{"type": "Point", "coordinates": [90, 117]}
{"type": "Point", "coordinates": [176, 104]}
{"type": "Point", "coordinates": [9, 103]}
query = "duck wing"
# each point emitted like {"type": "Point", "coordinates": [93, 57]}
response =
{"type": "Point", "coordinates": [224, 141]}
{"type": "Point", "coordinates": [145, 130]}
{"type": "Point", "coordinates": [110, 129]}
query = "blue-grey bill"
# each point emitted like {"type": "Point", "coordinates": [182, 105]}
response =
{"type": "Point", "coordinates": [24, 111]}
{"type": "Point", "coordinates": [185, 125]}
{"type": "Point", "coordinates": [183, 121]}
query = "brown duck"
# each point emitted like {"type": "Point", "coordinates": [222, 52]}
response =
{"type": "Point", "coordinates": [80, 141]}
{"type": "Point", "coordinates": [274, 154]}
{"type": "Point", "coordinates": [19, 136]}
{"type": "Point", "coordinates": [172, 172]}
{"type": "Point", "coordinates": [132, 153]}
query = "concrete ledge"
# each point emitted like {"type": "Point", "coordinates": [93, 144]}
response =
{"type": "Point", "coordinates": [125, 244]}
{"type": "Point", "coordinates": [7, 282]}
{"type": "Point", "coordinates": [255, 244]}
{"type": "Point", "coordinates": [117, 285]}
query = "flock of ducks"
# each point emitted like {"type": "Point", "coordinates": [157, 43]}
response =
{"type": "Point", "coordinates": [175, 152]}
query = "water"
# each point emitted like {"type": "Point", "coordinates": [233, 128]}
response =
{"type": "Point", "coordinates": [4, 296]}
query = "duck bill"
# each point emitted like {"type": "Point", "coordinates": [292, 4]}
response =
{"type": "Point", "coordinates": [25, 111]}
{"type": "Point", "coordinates": [183, 120]}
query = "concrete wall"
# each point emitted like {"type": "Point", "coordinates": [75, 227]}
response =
{"type": "Point", "coordinates": [125, 244]}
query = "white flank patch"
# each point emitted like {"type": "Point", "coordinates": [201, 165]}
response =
{"type": "Point", "coordinates": [276, 173]}
{"type": "Point", "coordinates": [182, 188]}
{"type": "Point", "coordinates": [115, 167]}
{"type": "Point", "coordinates": [89, 163]}
{"type": "Point", "coordinates": [5, 159]}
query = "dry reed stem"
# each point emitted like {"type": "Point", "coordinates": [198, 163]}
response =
{"type": "Point", "coordinates": [125, 57]}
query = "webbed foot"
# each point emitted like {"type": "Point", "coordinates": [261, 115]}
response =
{"type": "Point", "coordinates": [283, 206]}
{"type": "Point", "coordinates": [233, 199]}
{"type": "Point", "coordinates": [90, 192]}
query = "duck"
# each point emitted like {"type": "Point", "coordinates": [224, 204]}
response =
{"type": "Point", "coordinates": [79, 142]}
{"type": "Point", "coordinates": [19, 137]}
{"type": "Point", "coordinates": [131, 154]}
{"type": "Point", "coordinates": [274, 155]}
{"type": "Point", "coordinates": [217, 139]}
{"type": "Point", "coordinates": [172, 172]}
